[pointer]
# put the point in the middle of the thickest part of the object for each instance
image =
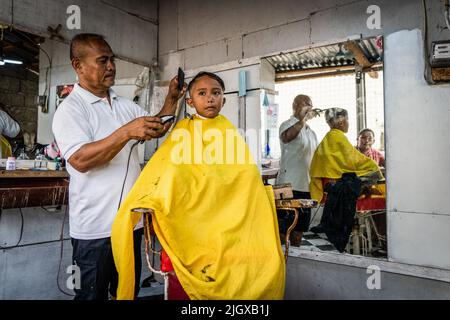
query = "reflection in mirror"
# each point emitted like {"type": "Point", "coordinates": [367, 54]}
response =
{"type": "Point", "coordinates": [324, 118]}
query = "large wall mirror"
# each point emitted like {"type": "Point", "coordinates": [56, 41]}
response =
{"type": "Point", "coordinates": [346, 75]}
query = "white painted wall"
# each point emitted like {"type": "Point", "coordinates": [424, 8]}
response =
{"type": "Point", "coordinates": [127, 25]}
{"type": "Point", "coordinates": [218, 34]}
{"type": "Point", "coordinates": [418, 156]}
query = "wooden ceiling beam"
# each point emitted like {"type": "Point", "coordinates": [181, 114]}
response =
{"type": "Point", "coordinates": [359, 55]}
{"type": "Point", "coordinates": [312, 71]}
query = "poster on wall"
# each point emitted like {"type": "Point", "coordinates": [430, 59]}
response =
{"type": "Point", "coordinates": [272, 116]}
{"type": "Point", "coordinates": [62, 91]}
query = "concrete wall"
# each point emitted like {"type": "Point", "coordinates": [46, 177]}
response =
{"type": "Point", "coordinates": [311, 279]}
{"type": "Point", "coordinates": [228, 35]}
{"type": "Point", "coordinates": [128, 26]}
{"type": "Point", "coordinates": [29, 271]}
{"type": "Point", "coordinates": [418, 156]}
{"type": "Point", "coordinates": [214, 33]}
{"type": "Point", "coordinates": [18, 91]}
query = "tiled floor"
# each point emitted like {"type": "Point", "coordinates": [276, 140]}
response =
{"type": "Point", "coordinates": [316, 242]}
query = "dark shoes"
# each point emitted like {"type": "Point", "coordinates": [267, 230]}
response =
{"type": "Point", "coordinates": [317, 229]}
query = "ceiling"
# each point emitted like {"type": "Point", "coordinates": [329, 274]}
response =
{"type": "Point", "coordinates": [367, 53]}
{"type": "Point", "coordinates": [19, 45]}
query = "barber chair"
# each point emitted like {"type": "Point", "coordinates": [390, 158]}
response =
{"type": "Point", "coordinates": [172, 287]}
{"type": "Point", "coordinates": [371, 203]}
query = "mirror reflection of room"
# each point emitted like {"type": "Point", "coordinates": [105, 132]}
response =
{"type": "Point", "coordinates": [19, 81]}
{"type": "Point", "coordinates": [323, 136]}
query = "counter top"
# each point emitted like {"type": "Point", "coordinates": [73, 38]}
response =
{"type": "Point", "coordinates": [33, 174]}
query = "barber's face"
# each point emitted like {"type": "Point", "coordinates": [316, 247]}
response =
{"type": "Point", "coordinates": [96, 68]}
{"type": "Point", "coordinates": [302, 108]}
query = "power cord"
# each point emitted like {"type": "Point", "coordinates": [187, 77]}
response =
{"type": "Point", "coordinates": [21, 232]}
{"type": "Point", "coordinates": [126, 173]}
{"type": "Point", "coordinates": [65, 215]}
{"type": "Point", "coordinates": [61, 238]}
{"type": "Point", "coordinates": [317, 210]}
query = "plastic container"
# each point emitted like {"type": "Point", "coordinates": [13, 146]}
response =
{"type": "Point", "coordinates": [11, 163]}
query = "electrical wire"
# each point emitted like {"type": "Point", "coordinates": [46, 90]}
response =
{"type": "Point", "coordinates": [21, 233]}
{"type": "Point", "coordinates": [446, 12]}
{"type": "Point", "coordinates": [47, 79]}
{"type": "Point", "coordinates": [65, 214]}
{"type": "Point", "coordinates": [126, 173]}
{"type": "Point", "coordinates": [426, 54]}
{"type": "Point", "coordinates": [314, 215]}
{"type": "Point", "coordinates": [61, 238]}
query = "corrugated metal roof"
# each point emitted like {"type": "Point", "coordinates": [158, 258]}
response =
{"type": "Point", "coordinates": [326, 56]}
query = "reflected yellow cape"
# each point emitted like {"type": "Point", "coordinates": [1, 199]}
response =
{"type": "Point", "coordinates": [212, 215]}
{"type": "Point", "coordinates": [5, 147]}
{"type": "Point", "coordinates": [334, 156]}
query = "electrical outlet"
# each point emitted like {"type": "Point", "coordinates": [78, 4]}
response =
{"type": "Point", "coordinates": [440, 54]}
{"type": "Point", "coordinates": [41, 101]}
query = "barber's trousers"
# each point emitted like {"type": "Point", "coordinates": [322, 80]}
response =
{"type": "Point", "coordinates": [97, 270]}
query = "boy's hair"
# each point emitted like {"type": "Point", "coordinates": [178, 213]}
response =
{"type": "Point", "coordinates": [208, 74]}
{"type": "Point", "coordinates": [82, 39]}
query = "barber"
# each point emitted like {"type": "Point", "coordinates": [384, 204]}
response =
{"type": "Point", "coordinates": [298, 143]}
{"type": "Point", "coordinates": [95, 130]}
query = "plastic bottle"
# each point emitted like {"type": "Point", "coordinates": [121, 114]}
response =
{"type": "Point", "coordinates": [11, 163]}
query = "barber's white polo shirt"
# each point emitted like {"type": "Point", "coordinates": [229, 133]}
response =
{"type": "Point", "coordinates": [94, 195]}
{"type": "Point", "coordinates": [296, 156]}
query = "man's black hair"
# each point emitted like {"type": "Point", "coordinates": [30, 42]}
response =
{"type": "Point", "coordinates": [366, 130]}
{"type": "Point", "coordinates": [208, 74]}
{"type": "Point", "coordinates": [82, 39]}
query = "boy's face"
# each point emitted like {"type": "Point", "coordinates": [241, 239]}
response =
{"type": "Point", "coordinates": [206, 97]}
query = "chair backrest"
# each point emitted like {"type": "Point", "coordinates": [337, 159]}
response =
{"type": "Point", "coordinates": [325, 181]}
{"type": "Point", "coordinates": [375, 199]}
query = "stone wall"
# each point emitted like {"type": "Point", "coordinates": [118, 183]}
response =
{"type": "Point", "coordinates": [18, 91]}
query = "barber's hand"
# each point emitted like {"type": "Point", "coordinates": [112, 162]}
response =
{"type": "Point", "coordinates": [144, 128]}
{"type": "Point", "coordinates": [160, 133]}
{"type": "Point", "coordinates": [174, 93]}
{"type": "Point", "coordinates": [301, 115]}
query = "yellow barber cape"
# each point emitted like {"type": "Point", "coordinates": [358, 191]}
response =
{"type": "Point", "coordinates": [334, 156]}
{"type": "Point", "coordinates": [5, 148]}
{"type": "Point", "coordinates": [212, 215]}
